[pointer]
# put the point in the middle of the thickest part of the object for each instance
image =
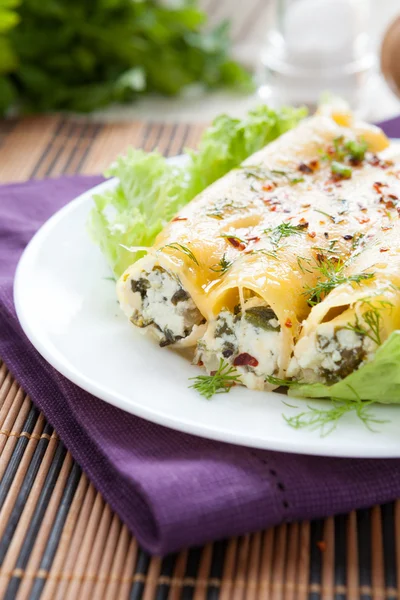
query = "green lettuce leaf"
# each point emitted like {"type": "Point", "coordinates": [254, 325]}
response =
{"type": "Point", "coordinates": [151, 190]}
{"type": "Point", "coordinates": [378, 381]}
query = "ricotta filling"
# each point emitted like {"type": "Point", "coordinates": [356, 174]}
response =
{"type": "Point", "coordinates": [160, 302]}
{"type": "Point", "coordinates": [330, 354]}
{"type": "Point", "coordinates": [251, 342]}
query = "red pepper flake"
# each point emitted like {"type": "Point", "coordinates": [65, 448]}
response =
{"type": "Point", "coordinates": [393, 197]}
{"type": "Point", "coordinates": [306, 205]}
{"type": "Point", "coordinates": [321, 545]}
{"type": "Point", "coordinates": [387, 227]}
{"type": "Point", "coordinates": [303, 168]}
{"type": "Point", "coordinates": [253, 239]}
{"type": "Point", "coordinates": [383, 249]}
{"type": "Point", "coordinates": [268, 187]}
{"type": "Point", "coordinates": [378, 185]}
{"type": "Point", "coordinates": [375, 161]}
{"type": "Point", "coordinates": [320, 257]}
{"type": "Point", "coordinates": [326, 235]}
{"type": "Point", "coordinates": [179, 219]}
{"type": "Point", "coordinates": [363, 220]}
{"type": "Point", "coordinates": [312, 234]}
{"type": "Point", "coordinates": [244, 360]}
{"type": "Point", "coordinates": [288, 323]}
{"type": "Point", "coordinates": [314, 164]}
{"type": "Point", "coordinates": [200, 363]}
{"type": "Point", "coordinates": [348, 237]}
{"type": "Point", "coordinates": [236, 243]}
{"type": "Point", "coordinates": [272, 209]}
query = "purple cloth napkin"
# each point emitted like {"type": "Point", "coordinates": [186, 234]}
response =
{"type": "Point", "coordinates": [172, 490]}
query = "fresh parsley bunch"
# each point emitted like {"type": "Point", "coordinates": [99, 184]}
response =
{"type": "Point", "coordinates": [81, 55]}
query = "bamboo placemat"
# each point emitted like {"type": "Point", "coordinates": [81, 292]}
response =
{"type": "Point", "coordinates": [59, 539]}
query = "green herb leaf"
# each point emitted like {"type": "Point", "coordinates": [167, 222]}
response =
{"type": "Point", "coordinates": [222, 266]}
{"type": "Point", "coordinates": [331, 272]}
{"type": "Point", "coordinates": [372, 318]}
{"type": "Point", "coordinates": [283, 230]}
{"type": "Point", "coordinates": [341, 170]}
{"type": "Point", "coordinates": [183, 249]}
{"type": "Point", "coordinates": [219, 383]}
{"type": "Point", "coordinates": [326, 419]}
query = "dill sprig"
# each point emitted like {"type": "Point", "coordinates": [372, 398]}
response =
{"type": "Point", "coordinates": [373, 320]}
{"type": "Point", "coordinates": [220, 383]}
{"type": "Point", "coordinates": [300, 262]}
{"type": "Point", "coordinates": [322, 212]}
{"type": "Point", "coordinates": [280, 382]}
{"type": "Point", "coordinates": [222, 266]}
{"type": "Point", "coordinates": [183, 249]}
{"type": "Point", "coordinates": [281, 231]}
{"type": "Point", "coordinates": [332, 276]}
{"type": "Point", "coordinates": [326, 420]}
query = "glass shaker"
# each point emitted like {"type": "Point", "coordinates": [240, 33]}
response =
{"type": "Point", "coordinates": [315, 47]}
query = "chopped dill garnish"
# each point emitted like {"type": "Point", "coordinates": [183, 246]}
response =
{"type": "Point", "coordinates": [300, 261]}
{"type": "Point", "coordinates": [219, 383]}
{"type": "Point", "coordinates": [373, 320]}
{"type": "Point", "coordinates": [358, 239]}
{"type": "Point", "coordinates": [270, 253]}
{"type": "Point", "coordinates": [331, 217]}
{"type": "Point", "coordinates": [326, 420]}
{"type": "Point", "coordinates": [222, 266]}
{"type": "Point", "coordinates": [281, 382]}
{"type": "Point", "coordinates": [183, 249]}
{"type": "Point", "coordinates": [331, 272]}
{"type": "Point", "coordinates": [341, 170]}
{"type": "Point", "coordinates": [281, 231]}
{"type": "Point", "coordinates": [296, 180]}
{"type": "Point", "coordinates": [356, 149]}
{"type": "Point", "coordinates": [352, 150]}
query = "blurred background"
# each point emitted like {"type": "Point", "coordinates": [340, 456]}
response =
{"type": "Point", "coordinates": [191, 60]}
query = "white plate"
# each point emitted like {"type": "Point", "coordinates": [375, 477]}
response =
{"type": "Point", "coordinates": [68, 310]}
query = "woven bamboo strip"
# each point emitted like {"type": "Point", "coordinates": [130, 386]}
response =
{"type": "Point", "coordinates": [303, 565]}
{"type": "Point", "coordinates": [179, 140]}
{"type": "Point", "coordinates": [95, 550]}
{"type": "Point", "coordinates": [44, 532]}
{"type": "Point", "coordinates": [24, 146]}
{"type": "Point", "coordinates": [175, 589]}
{"type": "Point", "coordinates": [328, 560]}
{"type": "Point", "coordinates": [26, 516]}
{"type": "Point", "coordinates": [104, 569]}
{"type": "Point", "coordinates": [58, 565]}
{"type": "Point", "coordinates": [3, 372]}
{"type": "Point", "coordinates": [82, 149]}
{"type": "Point", "coordinates": [378, 572]}
{"type": "Point", "coordinates": [267, 550]}
{"type": "Point", "coordinates": [58, 148]}
{"type": "Point", "coordinates": [66, 148]}
{"type": "Point", "coordinates": [82, 557]}
{"type": "Point", "coordinates": [111, 141]}
{"type": "Point", "coordinates": [229, 569]}
{"type": "Point", "coordinates": [12, 437]}
{"type": "Point", "coordinates": [7, 507]}
{"type": "Point", "coordinates": [200, 590]}
{"type": "Point", "coordinates": [253, 572]}
{"type": "Point", "coordinates": [13, 399]}
{"type": "Point", "coordinates": [4, 390]}
{"type": "Point", "coordinates": [75, 544]}
{"type": "Point", "coordinates": [238, 591]}
{"type": "Point", "coordinates": [152, 576]}
{"type": "Point", "coordinates": [17, 397]}
{"type": "Point", "coordinates": [278, 567]}
{"type": "Point", "coordinates": [125, 585]}
{"type": "Point", "coordinates": [353, 584]}
{"type": "Point", "coordinates": [112, 591]}
{"type": "Point", "coordinates": [291, 562]}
